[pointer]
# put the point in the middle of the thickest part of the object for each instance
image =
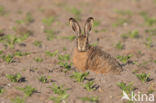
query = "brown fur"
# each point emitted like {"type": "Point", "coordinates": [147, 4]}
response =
{"type": "Point", "coordinates": [96, 60]}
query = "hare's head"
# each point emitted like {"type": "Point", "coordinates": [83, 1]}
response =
{"type": "Point", "coordinates": [82, 39]}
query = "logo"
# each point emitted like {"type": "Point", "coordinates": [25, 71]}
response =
{"type": "Point", "coordinates": [138, 97]}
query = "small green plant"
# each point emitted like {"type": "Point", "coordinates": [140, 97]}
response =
{"type": "Point", "coordinates": [49, 20]}
{"type": "Point", "coordinates": [151, 31]}
{"type": "Point", "coordinates": [51, 54]}
{"type": "Point", "coordinates": [120, 22]}
{"type": "Point", "coordinates": [65, 65]}
{"type": "Point", "coordinates": [90, 99]}
{"type": "Point", "coordinates": [155, 61]}
{"type": "Point", "coordinates": [148, 20]}
{"type": "Point", "coordinates": [119, 45]}
{"type": "Point", "coordinates": [124, 59]}
{"type": "Point", "coordinates": [60, 98]}
{"type": "Point", "coordinates": [10, 40]}
{"type": "Point", "coordinates": [71, 38]}
{"type": "Point", "coordinates": [1, 90]}
{"type": "Point", "coordinates": [75, 11]}
{"type": "Point", "coordinates": [20, 54]}
{"type": "Point", "coordinates": [28, 19]}
{"type": "Point", "coordinates": [18, 100]}
{"type": "Point", "coordinates": [2, 11]}
{"type": "Point", "coordinates": [148, 42]}
{"type": "Point", "coordinates": [89, 86]}
{"type": "Point", "coordinates": [58, 89]}
{"type": "Point", "coordinates": [61, 92]}
{"type": "Point", "coordinates": [127, 88]}
{"type": "Point", "coordinates": [96, 23]}
{"type": "Point", "coordinates": [1, 52]}
{"type": "Point", "coordinates": [8, 58]}
{"type": "Point", "coordinates": [79, 77]}
{"type": "Point", "coordinates": [14, 78]}
{"type": "Point", "coordinates": [37, 43]}
{"type": "Point", "coordinates": [65, 57]}
{"type": "Point", "coordinates": [124, 12]}
{"type": "Point", "coordinates": [131, 34]}
{"type": "Point", "coordinates": [50, 34]}
{"type": "Point", "coordinates": [94, 44]}
{"type": "Point", "coordinates": [28, 90]}
{"type": "Point", "coordinates": [143, 77]}
{"type": "Point", "coordinates": [38, 60]}
{"type": "Point", "coordinates": [43, 79]}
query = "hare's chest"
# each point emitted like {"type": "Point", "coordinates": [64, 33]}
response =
{"type": "Point", "coordinates": [80, 60]}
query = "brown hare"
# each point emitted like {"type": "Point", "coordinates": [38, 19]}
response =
{"type": "Point", "coordinates": [86, 57]}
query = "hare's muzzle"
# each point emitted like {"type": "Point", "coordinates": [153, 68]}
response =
{"type": "Point", "coordinates": [82, 43]}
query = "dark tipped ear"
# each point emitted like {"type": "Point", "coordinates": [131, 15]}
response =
{"type": "Point", "coordinates": [75, 26]}
{"type": "Point", "coordinates": [88, 25]}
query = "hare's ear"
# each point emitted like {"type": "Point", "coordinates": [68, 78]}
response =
{"type": "Point", "coordinates": [88, 25]}
{"type": "Point", "coordinates": [75, 26]}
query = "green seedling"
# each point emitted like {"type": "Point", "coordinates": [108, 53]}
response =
{"type": "Point", "coordinates": [94, 44]}
{"type": "Point", "coordinates": [131, 34]}
{"type": "Point", "coordinates": [50, 34]}
{"type": "Point", "coordinates": [43, 79]}
{"type": "Point", "coordinates": [38, 60]}
{"type": "Point", "coordinates": [121, 22]}
{"type": "Point", "coordinates": [71, 38]}
{"type": "Point", "coordinates": [151, 31]}
{"type": "Point", "coordinates": [37, 43]}
{"type": "Point", "coordinates": [127, 88]}
{"type": "Point", "coordinates": [51, 54]}
{"type": "Point", "coordinates": [89, 86]}
{"type": "Point", "coordinates": [28, 90]}
{"type": "Point", "coordinates": [60, 98]}
{"type": "Point", "coordinates": [65, 57]}
{"type": "Point", "coordinates": [64, 49]}
{"type": "Point", "coordinates": [65, 65]}
{"type": "Point", "coordinates": [148, 20]}
{"type": "Point", "coordinates": [8, 58]}
{"type": "Point", "coordinates": [79, 77]}
{"type": "Point", "coordinates": [148, 42]}
{"type": "Point", "coordinates": [48, 21]}
{"type": "Point", "coordinates": [23, 32]}
{"type": "Point", "coordinates": [151, 89]}
{"type": "Point", "coordinates": [90, 99]}
{"type": "Point", "coordinates": [18, 100]}
{"type": "Point", "coordinates": [124, 59]}
{"type": "Point", "coordinates": [2, 11]}
{"type": "Point", "coordinates": [1, 52]}
{"type": "Point", "coordinates": [119, 45]}
{"type": "Point", "coordinates": [124, 12]}
{"type": "Point", "coordinates": [96, 23]}
{"type": "Point", "coordinates": [1, 90]}
{"type": "Point", "coordinates": [20, 54]}
{"type": "Point", "coordinates": [14, 78]}
{"type": "Point", "coordinates": [10, 40]}
{"type": "Point", "coordinates": [76, 12]}
{"type": "Point", "coordinates": [155, 61]}
{"type": "Point", "coordinates": [28, 19]}
{"type": "Point", "coordinates": [59, 90]}
{"type": "Point", "coordinates": [143, 77]}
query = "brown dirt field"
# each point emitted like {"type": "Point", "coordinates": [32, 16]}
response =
{"type": "Point", "coordinates": [16, 19]}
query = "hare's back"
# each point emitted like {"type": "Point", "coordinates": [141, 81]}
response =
{"type": "Point", "coordinates": [102, 62]}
